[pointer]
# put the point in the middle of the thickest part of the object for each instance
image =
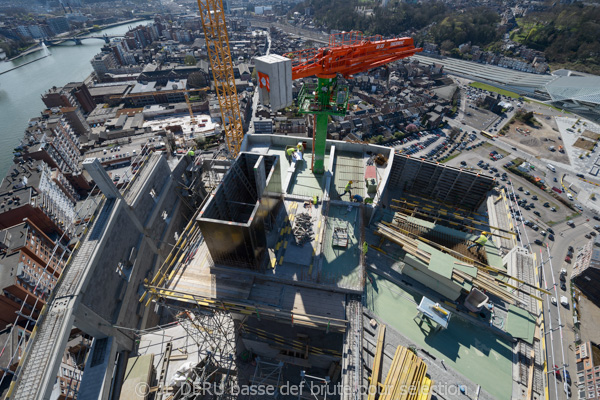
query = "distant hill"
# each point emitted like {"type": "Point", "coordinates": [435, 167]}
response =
{"type": "Point", "coordinates": [568, 34]}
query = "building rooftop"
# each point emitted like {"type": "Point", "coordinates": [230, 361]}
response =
{"type": "Point", "coordinates": [479, 356]}
{"type": "Point", "coordinates": [575, 88]}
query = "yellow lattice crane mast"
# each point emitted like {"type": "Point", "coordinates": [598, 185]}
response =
{"type": "Point", "coordinates": [217, 43]}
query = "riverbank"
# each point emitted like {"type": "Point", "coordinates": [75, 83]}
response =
{"type": "Point", "coordinates": [24, 64]}
{"type": "Point", "coordinates": [38, 46]}
{"type": "Point", "coordinates": [30, 50]}
{"type": "Point", "coordinates": [21, 90]}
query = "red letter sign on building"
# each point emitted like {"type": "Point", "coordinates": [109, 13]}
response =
{"type": "Point", "coordinates": [263, 79]}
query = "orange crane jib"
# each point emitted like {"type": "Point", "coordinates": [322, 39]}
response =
{"type": "Point", "coordinates": [349, 59]}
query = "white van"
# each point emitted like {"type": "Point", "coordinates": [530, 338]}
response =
{"type": "Point", "coordinates": [551, 167]}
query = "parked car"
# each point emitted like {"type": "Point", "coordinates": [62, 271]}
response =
{"type": "Point", "coordinates": [539, 242]}
{"type": "Point", "coordinates": [564, 301]}
{"type": "Point", "coordinates": [563, 286]}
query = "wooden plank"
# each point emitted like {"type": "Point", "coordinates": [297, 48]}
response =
{"type": "Point", "coordinates": [376, 364]}
{"type": "Point", "coordinates": [418, 380]}
{"type": "Point", "coordinates": [391, 374]}
{"type": "Point", "coordinates": [407, 371]}
{"type": "Point", "coordinates": [396, 382]}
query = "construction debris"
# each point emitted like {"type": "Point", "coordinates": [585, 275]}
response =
{"type": "Point", "coordinates": [340, 237]}
{"type": "Point", "coordinates": [303, 229]}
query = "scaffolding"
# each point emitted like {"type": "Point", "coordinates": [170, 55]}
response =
{"type": "Point", "coordinates": [267, 373]}
{"type": "Point", "coordinates": [214, 376]}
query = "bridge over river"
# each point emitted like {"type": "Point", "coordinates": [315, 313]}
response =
{"type": "Point", "coordinates": [78, 39]}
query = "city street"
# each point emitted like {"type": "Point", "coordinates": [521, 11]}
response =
{"type": "Point", "coordinates": [558, 319]}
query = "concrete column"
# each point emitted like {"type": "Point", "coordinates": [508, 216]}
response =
{"type": "Point", "coordinates": [99, 175]}
{"type": "Point", "coordinates": [94, 325]}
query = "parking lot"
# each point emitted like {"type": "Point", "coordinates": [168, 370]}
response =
{"type": "Point", "coordinates": [478, 117]}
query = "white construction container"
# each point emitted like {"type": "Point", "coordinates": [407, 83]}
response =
{"type": "Point", "coordinates": [274, 74]}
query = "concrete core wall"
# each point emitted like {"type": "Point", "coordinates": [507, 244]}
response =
{"type": "Point", "coordinates": [439, 182]}
{"type": "Point", "coordinates": [233, 220]}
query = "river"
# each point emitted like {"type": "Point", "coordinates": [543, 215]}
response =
{"type": "Point", "coordinates": [21, 89]}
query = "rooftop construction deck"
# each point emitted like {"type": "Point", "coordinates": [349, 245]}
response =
{"type": "Point", "coordinates": [483, 358]}
{"type": "Point", "coordinates": [290, 256]}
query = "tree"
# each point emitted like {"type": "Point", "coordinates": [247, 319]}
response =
{"type": "Point", "coordinates": [447, 45]}
{"type": "Point", "coordinates": [189, 60]}
{"type": "Point", "coordinates": [197, 80]}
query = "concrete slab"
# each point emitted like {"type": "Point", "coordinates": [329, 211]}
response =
{"type": "Point", "coordinates": [305, 183]}
{"type": "Point", "coordinates": [348, 167]}
{"type": "Point", "coordinates": [484, 358]}
{"type": "Point", "coordinates": [299, 255]}
{"type": "Point", "coordinates": [340, 265]}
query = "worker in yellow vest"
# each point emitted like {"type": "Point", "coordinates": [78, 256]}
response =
{"type": "Point", "coordinates": [348, 188]}
{"type": "Point", "coordinates": [290, 152]}
{"type": "Point", "coordinates": [480, 241]}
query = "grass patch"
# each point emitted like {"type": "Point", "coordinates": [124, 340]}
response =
{"type": "Point", "coordinates": [518, 161]}
{"type": "Point", "coordinates": [500, 151]}
{"type": "Point", "coordinates": [570, 217]}
{"type": "Point", "coordinates": [528, 100]}
{"type": "Point", "coordinates": [524, 29]}
{"type": "Point", "coordinates": [494, 89]}
{"type": "Point", "coordinates": [584, 144]}
{"type": "Point", "coordinates": [445, 160]}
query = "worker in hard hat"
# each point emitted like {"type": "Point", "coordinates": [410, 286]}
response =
{"type": "Point", "coordinates": [348, 188]}
{"type": "Point", "coordinates": [300, 147]}
{"type": "Point", "coordinates": [480, 241]}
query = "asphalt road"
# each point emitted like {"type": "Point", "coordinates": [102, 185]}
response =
{"type": "Point", "coordinates": [558, 320]}
{"type": "Point", "coordinates": [559, 342]}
